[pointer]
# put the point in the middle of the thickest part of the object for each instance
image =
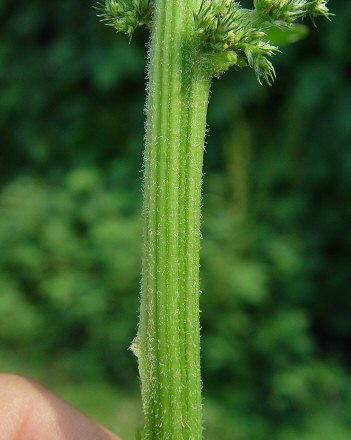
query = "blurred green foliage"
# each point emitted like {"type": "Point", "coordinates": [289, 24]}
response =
{"type": "Point", "coordinates": [276, 246]}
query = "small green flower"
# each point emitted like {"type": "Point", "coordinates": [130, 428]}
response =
{"type": "Point", "coordinates": [283, 11]}
{"type": "Point", "coordinates": [223, 26]}
{"type": "Point", "coordinates": [318, 8]}
{"type": "Point", "coordinates": [126, 15]}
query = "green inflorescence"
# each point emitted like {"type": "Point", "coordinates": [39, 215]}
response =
{"type": "Point", "coordinates": [317, 8]}
{"type": "Point", "coordinates": [281, 12]}
{"type": "Point", "coordinates": [126, 15]}
{"type": "Point", "coordinates": [227, 33]}
{"type": "Point", "coordinates": [223, 26]}
{"type": "Point", "coordinates": [285, 12]}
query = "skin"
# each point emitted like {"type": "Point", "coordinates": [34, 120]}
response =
{"type": "Point", "coordinates": [30, 412]}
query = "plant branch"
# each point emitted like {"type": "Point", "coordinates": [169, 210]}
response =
{"type": "Point", "coordinates": [191, 41]}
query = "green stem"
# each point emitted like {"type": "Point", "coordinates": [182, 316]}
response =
{"type": "Point", "coordinates": [191, 41]}
{"type": "Point", "coordinates": [168, 342]}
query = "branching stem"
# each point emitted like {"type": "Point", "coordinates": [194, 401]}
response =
{"type": "Point", "coordinates": [191, 41]}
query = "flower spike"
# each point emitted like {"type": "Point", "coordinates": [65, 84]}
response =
{"type": "Point", "coordinates": [224, 27]}
{"type": "Point", "coordinates": [126, 15]}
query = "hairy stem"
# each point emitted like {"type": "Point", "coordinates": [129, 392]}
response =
{"type": "Point", "coordinates": [191, 41]}
{"type": "Point", "coordinates": [168, 341]}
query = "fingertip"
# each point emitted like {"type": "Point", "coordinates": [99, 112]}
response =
{"type": "Point", "coordinates": [30, 412]}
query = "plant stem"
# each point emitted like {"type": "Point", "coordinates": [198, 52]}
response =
{"type": "Point", "coordinates": [191, 41]}
{"type": "Point", "coordinates": [168, 341]}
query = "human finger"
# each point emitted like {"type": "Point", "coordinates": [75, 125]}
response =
{"type": "Point", "coordinates": [28, 411]}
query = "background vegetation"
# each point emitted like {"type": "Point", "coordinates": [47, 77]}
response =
{"type": "Point", "coordinates": [276, 248]}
